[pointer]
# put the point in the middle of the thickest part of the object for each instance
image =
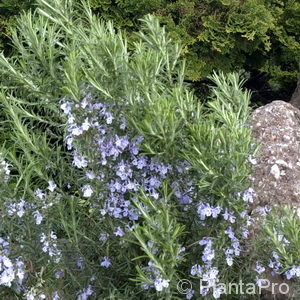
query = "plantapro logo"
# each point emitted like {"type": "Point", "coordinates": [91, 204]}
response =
{"type": "Point", "coordinates": [185, 287]}
{"type": "Point", "coordinates": [242, 288]}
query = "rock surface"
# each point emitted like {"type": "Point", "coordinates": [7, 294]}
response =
{"type": "Point", "coordinates": [276, 168]}
{"type": "Point", "coordinates": [276, 176]}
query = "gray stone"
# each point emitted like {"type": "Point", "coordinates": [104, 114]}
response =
{"type": "Point", "coordinates": [276, 168]}
{"type": "Point", "coordinates": [276, 174]}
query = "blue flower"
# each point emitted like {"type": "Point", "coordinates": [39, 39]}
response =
{"type": "Point", "coordinates": [229, 216]}
{"type": "Point", "coordinates": [206, 210]}
{"type": "Point", "coordinates": [196, 270]}
{"type": "Point", "coordinates": [87, 191]}
{"type": "Point", "coordinates": [248, 195]}
{"type": "Point", "coordinates": [79, 161]}
{"type": "Point", "coordinates": [211, 276]}
{"type": "Point", "coordinates": [103, 237]}
{"type": "Point", "coordinates": [7, 272]}
{"type": "Point", "coordinates": [205, 241]}
{"type": "Point", "coordinates": [51, 186]}
{"type": "Point", "coordinates": [260, 281]}
{"type": "Point", "coordinates": [119, 231]}
{"type": "Point", "coordinates": [66, 107]}
{"type": "Point", "coordinates": [160, 284]}
{"type": "Point", "coordinates": [49, 245]}
{"type": "Point", "coordinates": [55, 296]}
{"type": "Point", "coordinates": [17, 208]}
{"type": "Point", "coordinates": [83, 295]}
{"type": "Point", "coordinates": [38, 217]}
{"type": "Point", "coordinates": [292, 272]}
{"type": "Point", "coordinates": [259, 268]}
{"type": "Point", "coordinates": [105, 262]}
{"type": "Point", "coordinates": [190, 294]}
{"type": "Point", "coordinates": [40, 194]}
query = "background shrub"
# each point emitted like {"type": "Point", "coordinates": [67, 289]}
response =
{"type": "Point", "coordinates": [216, 35]}
{"type": "Point", "coordinates": [224, 35]}
{"type": "Point", "coordinates": [232, 34]}
{"type": "Point", "coordinates": [8, 10]}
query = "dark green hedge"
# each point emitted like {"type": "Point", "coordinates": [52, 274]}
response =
{"type": "Point", "coordinates": [8, 10]}
{"type": "Point", "coordinates": [217, 34]}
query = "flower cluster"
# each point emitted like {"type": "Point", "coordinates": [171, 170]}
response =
{"type": "Point", "coordinates": [17, 208]}
{"type": "Point", "coordinates": [274, 263]}
{"type": "Point", "coordinates": [154, 276]}
{"type": "Point", "coordinates": [4, 170]}
{"type": "Point", "coordinates": [110, 155]}
{"type": "Point", "coordinates": [49, 246]}
{"type": "Point", "coordinates": [36, 208]}
{"type": "Point", "coordinates": [294, 271]}
{"type": "Point", "coordinates": [248, 195]}
{"type": "Point", "coordinates": [208, 273]}
{"type": "Point", "coordinates": [121, 168]}
{"type": "Point", "coordinates": [84, 294]}
{"type": "Point", "coordinates": [235, 246]}
{"type": "Point", "coordinates": [11, 271]}
{"type": "Point", "coordinates": [206, 210]}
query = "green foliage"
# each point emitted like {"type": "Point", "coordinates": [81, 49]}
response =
{"type": "Point", "coordinates": [65, 54]}
{"type": "Point", "coordinates": [58, 53]}
{"type": "Point", "coordinates": [8, 10]}
{"type": "Point", "coordinates": [281, 240]}
{"type": "Point", "coordinates": [161, 227]}
{"type": "Point", "coordinates": [125, 13]}
{"type": "Point", "coordinates": [214, 147]}
{"type": "Point", "coordinates": [216, 35]}
{"type": "Point", "coordinates": [237, 34]}
{"type": "Point", "coordinates": [282, 224]}
{"type": "Point", "coordinates": [174, 127]}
